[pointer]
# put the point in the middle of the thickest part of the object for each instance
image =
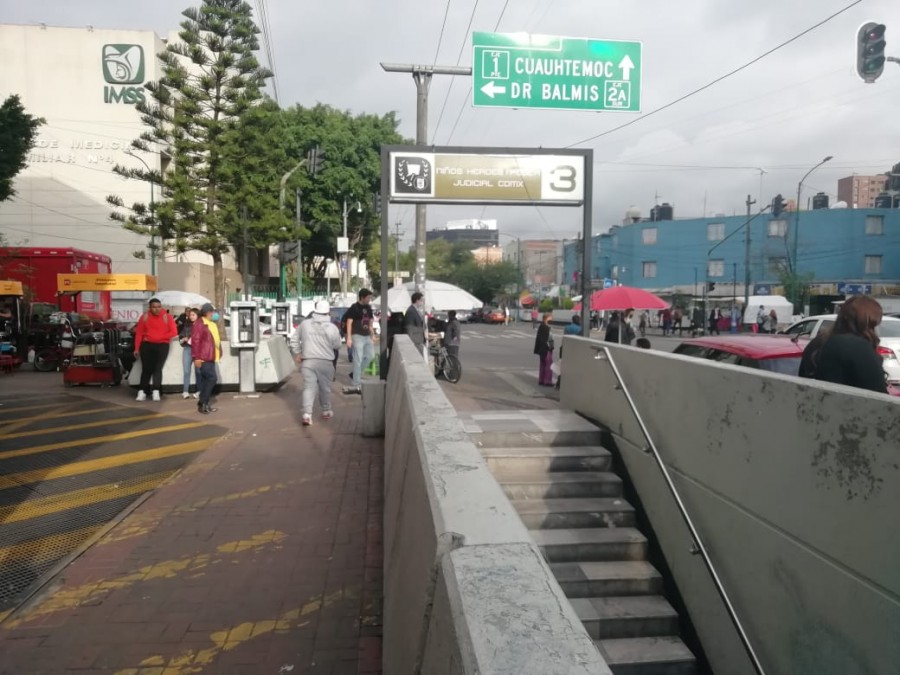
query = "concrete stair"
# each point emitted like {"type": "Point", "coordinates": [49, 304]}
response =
{"type": "Point", "coordinates": [557, 477]}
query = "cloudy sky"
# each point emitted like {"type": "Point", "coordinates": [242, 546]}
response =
{"type": "Point", "coordinates": [756, 132]}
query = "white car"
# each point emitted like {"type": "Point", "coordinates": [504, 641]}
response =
{"type": "Point", "coordinates": [888, 332]}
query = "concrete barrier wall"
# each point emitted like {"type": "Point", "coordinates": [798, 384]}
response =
{"type": "Point", "coordinates": [465, 589]}
{"type": "Point", "coordinates": [794, 487]}
{"type": "Point", "coordinates": [274, 365]}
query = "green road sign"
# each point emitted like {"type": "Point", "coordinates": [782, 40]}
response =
{"type": "Point", "coordinates": [560, 73]}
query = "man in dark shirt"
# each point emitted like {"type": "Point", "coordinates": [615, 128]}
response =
{"type": "Point", "coordinates": [414, 321]}
{"type": "Point", "coordinates": [360, 319]}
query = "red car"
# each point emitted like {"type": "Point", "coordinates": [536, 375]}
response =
{"type": "Point", "coordinates": [775, 353]}
{"type": "Point", "coordinates": [494, 315]}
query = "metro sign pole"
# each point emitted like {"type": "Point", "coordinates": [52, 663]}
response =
{"type": "Point", "coordinates": [559, 73]}
{"type": "Point", "coordinates": [422, 77]}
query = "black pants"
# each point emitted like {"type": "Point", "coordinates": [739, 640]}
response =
{"type": "Point", "coordinates": [453, 351]}
{"type": "Point", "coordinates": [206, 381]}
{"type": "Point", "coordinates": [153, 358]}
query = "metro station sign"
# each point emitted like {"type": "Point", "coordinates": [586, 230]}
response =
{"type": "Point", "coordinates": [560, 73]}
{"type": "Point", "coordinates": [447, 177]}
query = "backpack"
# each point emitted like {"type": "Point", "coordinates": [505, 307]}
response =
{"type": "Point", "coordinates": [144, 318]}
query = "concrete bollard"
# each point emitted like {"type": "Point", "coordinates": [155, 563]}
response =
{"type": "Point", "coordinates": [373, 408]}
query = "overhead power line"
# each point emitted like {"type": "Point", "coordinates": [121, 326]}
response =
{"type": "Point", "coordinates": [718, 79]}
{"type": "Point", "coordinates": [462, 46]}
{"type": "Point", "coordinates": [441, 36]}
{"type": "Point", "coordinates": [466, 97]}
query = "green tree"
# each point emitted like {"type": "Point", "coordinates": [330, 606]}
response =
{"type": "Point", "coordinates": [373, 260]}
{"type": "Point", "coordinates": [198, 114]}
{"type": "Point", "coordinates": [444, 259]}
{"type": "Point", "coordinates": [488, 281]}
{"type": "Point", "coordinates": [351, 171]}
{"type": "Point", "coordinates": [18, 131]}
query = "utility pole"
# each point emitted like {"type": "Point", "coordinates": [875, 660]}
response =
{"type": "Point", "coordinates": [749, 202]}
{"type": "Point", "coordinates": [299, 254]}
{"type": "Point", "coordinates": [397, 250]}
{"type": "Point", "coordinates": [245, 254]}
{"type": "Point", "coordinates": [422, 77]}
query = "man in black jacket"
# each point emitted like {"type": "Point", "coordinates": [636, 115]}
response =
{"type": "Point", "coordinates": [414, 321]}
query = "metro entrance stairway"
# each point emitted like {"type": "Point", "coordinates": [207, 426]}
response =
{"type": "Point", "coordinates": [558, 478]}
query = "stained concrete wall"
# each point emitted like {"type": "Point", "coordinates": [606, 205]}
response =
{"type": "Point", "coordinates": [465, 589]}
{"type": "Point", "coordinates": [794, 487]}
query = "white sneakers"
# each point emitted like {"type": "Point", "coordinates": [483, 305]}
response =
{"type": "Point", "coordinates": [327, 414]}
{"type": "Point", "coordinates": [141, 396]}
{"type": "Point", "coordinates": [156, 396]}
{"type": "Point", "coordinates": [307, 420]}
{"type": "Point", "coordinates": [185, 395]}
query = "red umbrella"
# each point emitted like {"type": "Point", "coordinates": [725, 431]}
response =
{"type": "Point", "coordinates": [624, 297]}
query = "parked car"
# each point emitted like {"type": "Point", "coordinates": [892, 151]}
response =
{"type": "Point", "coordinates": [765, 352]}
{"type": "Point", "coordinates": [494, 315]}
{"type": "Point", "coordinates": [888, 332]}
{"type": "Point", "coordinates": [477, 315]}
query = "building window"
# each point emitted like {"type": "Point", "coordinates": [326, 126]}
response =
{"type": "Point", "coordinates": [715, 231]}
{"type": "Point", "coordinates": [873, 264]}
{"type": "Point", "coordinates": [648, 269]}
{"type": "Point", "coordinates": [648, 236]}
{"type": "Point", "coordinates": [777, 228]}
{"type": "Point", "coordinates": [716, 268]}
{"type": "Point", "coordinates": [874, 224]}
{"type": "Point", "coordinates": [777, 266]}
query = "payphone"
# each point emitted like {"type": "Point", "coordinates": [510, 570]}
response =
{"type": "Point", "coordinates": [245, 338]}
{"type": "Point", "coordinates": [282, 320]}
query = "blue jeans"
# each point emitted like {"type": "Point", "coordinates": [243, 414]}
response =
{"type": "Point", "coordinates": [206, 381]}
{"type": "Point", "coordinates": [363, 353]}
{"type": "Point", "coordinates": [188, 365]}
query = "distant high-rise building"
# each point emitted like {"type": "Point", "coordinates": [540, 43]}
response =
{"type": "Point", "coordinates": [473, 230]}
{"type": "Point", "coordinates": [859, 192]}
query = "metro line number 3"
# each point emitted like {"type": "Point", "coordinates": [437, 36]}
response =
{"type": "Point", "coordinates": [564, 178]}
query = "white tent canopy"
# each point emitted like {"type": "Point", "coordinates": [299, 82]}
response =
{"type": "Point", "coordinates": [398, 299]}
{"type": "Point", "coordinates": [782, 306]}
{"type": "Point", "coordinates": [442, 297]}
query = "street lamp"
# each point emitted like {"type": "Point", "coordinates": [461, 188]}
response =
{"type": "Point", "coordinates": [282, 286]}
{"type": "Point", "coordinates": [328, 262]}
{"type": "Point", "coordinates": [795, 269]}
{"type": "Point", "coordinates": [152, 213]}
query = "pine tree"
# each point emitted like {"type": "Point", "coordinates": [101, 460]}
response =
{"type": "Point", "coordinates": [18, 131]}
{"type": "Point", "coordinates": [210, 82]}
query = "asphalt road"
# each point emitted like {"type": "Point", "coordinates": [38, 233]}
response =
{"type": "Point", "coordinates": [500, 368]}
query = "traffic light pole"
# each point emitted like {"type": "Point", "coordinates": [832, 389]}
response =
{"type": "Point", "coordinates": [422, 77]}
{"type": "Point", "coordinates": [750, 202]}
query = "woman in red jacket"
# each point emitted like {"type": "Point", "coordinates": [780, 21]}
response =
{"type": "Point", "coordinates": [154, 332]}
{"type": "Point", "coordinates": [205, 350]}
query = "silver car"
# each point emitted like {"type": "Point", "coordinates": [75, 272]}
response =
{"type": "Point", "coordinates": [888, 332]}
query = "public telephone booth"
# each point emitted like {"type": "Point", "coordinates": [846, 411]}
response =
{"type": "Point", "coordinates": [12, 327]}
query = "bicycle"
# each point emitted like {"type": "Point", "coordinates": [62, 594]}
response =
{"type": "Point", "coordinates": [445, 364]}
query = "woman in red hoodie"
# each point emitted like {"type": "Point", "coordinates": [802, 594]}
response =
{"type": "Point", "coordinates": [154, 332]}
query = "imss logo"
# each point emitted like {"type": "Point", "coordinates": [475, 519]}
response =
{"type": "Point", "coordinates": [123, 64]}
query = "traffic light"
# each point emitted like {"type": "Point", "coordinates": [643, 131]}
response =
{"type": "Point", "coordinates": [710, 286]}
{"type": "Point", "coordinates": [870, 51]}
{"type": "Point", "coordinates": [315, 157]}
{"type": "Point", "coordinates": [778, 205]}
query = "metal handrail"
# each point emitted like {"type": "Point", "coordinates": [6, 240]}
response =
{"type": "Point", "coordinates": [698, 542]}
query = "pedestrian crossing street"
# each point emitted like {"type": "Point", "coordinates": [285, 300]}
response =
{"type": "Point", "coordinates": [500, 333]}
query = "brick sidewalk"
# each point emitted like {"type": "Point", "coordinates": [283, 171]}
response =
{"type": "Point", "coordinates": [263, 556]}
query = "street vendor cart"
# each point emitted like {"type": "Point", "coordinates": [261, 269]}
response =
{"type": "Point", "coordinates": [103, 354]}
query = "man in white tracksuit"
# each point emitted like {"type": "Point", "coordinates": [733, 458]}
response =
{"type": "Point", "coordinates": [313, 344]}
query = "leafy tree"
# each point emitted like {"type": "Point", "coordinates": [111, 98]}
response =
{"type": "Point", "coordinates": [18, 131]}
{"type": "Point", "coordinates": [373, 260]}
{"type": "Point", "coordinates": [444, 259]}
{"type": "Point", "coordinates": [488, 281]}
{"type": "Point", "coordinates": [351, 171]}
{"type": "Point", "coordinates": [199, 113]}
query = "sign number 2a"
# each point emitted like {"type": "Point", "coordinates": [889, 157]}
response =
{"type": "Point", "coordinates": [563, 178]}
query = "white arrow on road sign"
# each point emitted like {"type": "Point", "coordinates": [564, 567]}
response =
{"type": "Point", "coordinates": [626, 64]}
{"type": "Point", "coordinates": [490, 89]}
